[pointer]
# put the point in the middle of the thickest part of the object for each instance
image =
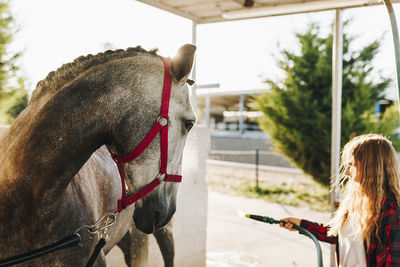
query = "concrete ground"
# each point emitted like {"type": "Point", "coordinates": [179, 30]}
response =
{"type": "Point", "coordinates": [235, 241]}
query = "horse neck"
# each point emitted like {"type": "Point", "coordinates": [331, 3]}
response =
{"type": "Point", "coordinates": [45, 148]}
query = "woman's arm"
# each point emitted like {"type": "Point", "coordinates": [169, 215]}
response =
{"type": "Point", "coordinates": [320, 231]}
{"type": "Point", "coordinates": [391, 254]}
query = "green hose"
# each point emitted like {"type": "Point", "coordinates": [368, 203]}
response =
{"type": "Point", "coordinates": [299, 228]}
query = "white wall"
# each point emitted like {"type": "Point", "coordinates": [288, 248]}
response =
{"type": "Point", "coordinates": [3, 129]}
{"type": "Point", "coordinates": [190, 219]}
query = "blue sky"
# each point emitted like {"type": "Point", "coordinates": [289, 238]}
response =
{"type": "Point", "coordinates": [238, 55]}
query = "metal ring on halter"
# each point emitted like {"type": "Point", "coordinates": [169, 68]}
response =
{"type": "Point", "coordinates": [162, 121]}
{"type": "Point", "coordinates": [163, 175]}
{"type": "Point", "coordinates": [106, 216]}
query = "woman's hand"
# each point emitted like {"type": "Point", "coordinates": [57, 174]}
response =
{"type": "Point", "coordinates": [289, 223]}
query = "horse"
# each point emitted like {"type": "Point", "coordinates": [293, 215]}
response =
{"type": "Point", "coordinates": [134, 244]}
{"type": "Point", "coordinates": [111, 99]}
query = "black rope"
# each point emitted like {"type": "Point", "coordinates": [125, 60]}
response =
{"type": "Point", "coordinates": [96, 252]}
{"type": "Point", "coordinates": [62, 244]}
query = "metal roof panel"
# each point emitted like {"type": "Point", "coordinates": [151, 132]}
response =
{"type": "Point", "coordinates": [207, 11]}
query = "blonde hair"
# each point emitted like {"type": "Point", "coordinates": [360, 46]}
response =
{"type": "Point", "coordinates": [376, 176]}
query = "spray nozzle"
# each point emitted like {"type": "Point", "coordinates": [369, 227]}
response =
{"type": "Point", "coordinates": [263, 219]}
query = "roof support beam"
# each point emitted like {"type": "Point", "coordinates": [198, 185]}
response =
{"type": "Point", "coordinates": [241, 115]}
{"type": "Point", "coordinates": [193, 89]}
{"type": "Point", "coordinates": [396, 42]}
{"type": "Point", "coordinates": [337, 69]}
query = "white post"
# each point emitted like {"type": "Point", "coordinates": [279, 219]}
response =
{"type": "Point", "coordinates": [241, 111]}
{"type": "Point", "coordinates": [337, 68]}
{"type": "Point", "coordinates": [207, 115]}
{"type": "Point", "coordinates": [194, 41]}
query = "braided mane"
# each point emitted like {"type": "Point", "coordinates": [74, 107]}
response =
{"type": "Point", "coordinates": [55, 80]}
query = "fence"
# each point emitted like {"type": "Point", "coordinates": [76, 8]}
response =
{"type": "Point", "coordinates": [253, 160]}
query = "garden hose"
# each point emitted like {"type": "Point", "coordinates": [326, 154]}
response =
{"type": "Point", "coordinates": [299, 228]}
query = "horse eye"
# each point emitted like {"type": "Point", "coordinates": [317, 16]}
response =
{"type": "Point", "coordinates": [189, 124]}
{"type": "Point", "coordinates": [190, 82]}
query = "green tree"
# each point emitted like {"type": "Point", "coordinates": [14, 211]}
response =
{"type": "Point", "coordinates": [13, 95]}
{"type": "Point", "coordinates": [297, 110]}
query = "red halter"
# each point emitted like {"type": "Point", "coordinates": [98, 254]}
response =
{"type": "Point", "coordinates": [160, 126]}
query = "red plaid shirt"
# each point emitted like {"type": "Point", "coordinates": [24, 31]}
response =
{"type": "Point", "coordinates": [385, 252]}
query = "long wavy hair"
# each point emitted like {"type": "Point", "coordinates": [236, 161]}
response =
{"type": "Point", "coordinates": [376, 176]}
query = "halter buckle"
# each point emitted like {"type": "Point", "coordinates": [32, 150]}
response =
{"type": "Point", "coordinates": [161, 176]}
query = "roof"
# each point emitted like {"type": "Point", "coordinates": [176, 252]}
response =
{"type": "Point", "coordinates": [208, 11]}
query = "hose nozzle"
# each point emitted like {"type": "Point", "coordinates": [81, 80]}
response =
{"type": "Point", "coordinates": [262, 219]}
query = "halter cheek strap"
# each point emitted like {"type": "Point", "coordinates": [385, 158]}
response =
{"type": "Point", "coordinates": [160, 126]}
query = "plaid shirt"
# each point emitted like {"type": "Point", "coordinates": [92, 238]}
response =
{"type": "Point", "coordinates": [385, 252]}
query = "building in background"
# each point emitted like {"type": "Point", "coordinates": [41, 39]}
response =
{"type": "Point", "coordinates": [228, 111]}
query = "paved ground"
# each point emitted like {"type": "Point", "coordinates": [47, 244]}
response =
{"type": "Point", "coordinates": [235, 241]}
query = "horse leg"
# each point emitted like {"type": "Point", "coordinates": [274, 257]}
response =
{"type": "Point", "coordinates": [124, 245]}
{"type": "Point", "coordinates": [135, 247]}
{"type": "Point", "coordinates": [165, 240]}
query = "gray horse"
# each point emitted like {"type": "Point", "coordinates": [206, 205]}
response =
{"type": "Point", "coordinates": [134, 244]}
{"type": "Point", "coordinates": [111, 99]}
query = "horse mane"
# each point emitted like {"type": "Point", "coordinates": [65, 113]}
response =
{"type": "Point", "coordinates": [55, 80]}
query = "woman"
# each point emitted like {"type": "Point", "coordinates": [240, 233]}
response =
{"type": "Point", "coordinates": [366, 226]}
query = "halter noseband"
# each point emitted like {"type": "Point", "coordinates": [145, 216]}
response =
{"type": "Point", "coordinates": [160, 126]}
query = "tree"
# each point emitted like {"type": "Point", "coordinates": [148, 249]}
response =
{"type": "Point", "coordinates": [13, 95]}
{"type": "Point", "coordinates": [297, 110]}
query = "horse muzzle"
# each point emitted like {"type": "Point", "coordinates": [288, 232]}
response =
{"type": "Point", "coordinates": [149, 220]}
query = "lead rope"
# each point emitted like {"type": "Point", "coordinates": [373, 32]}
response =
{"type": "Point", "coordinates": [103, 231]}
{"type": "Point", "coordinates": [62, 244]}
{"type": "Point", "coordinates": [96, 252]}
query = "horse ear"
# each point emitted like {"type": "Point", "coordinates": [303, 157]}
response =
{"type": "Point", "coordinates": [182, 62]}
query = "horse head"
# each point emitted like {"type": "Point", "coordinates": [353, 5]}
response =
{"type": "Point", "coordinates": [138, 99]}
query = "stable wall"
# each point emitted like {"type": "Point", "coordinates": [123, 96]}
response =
{"type": "Point", "coordinates": [190, 219]}
{"type": "Point", "coordinates": [3, 129]}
